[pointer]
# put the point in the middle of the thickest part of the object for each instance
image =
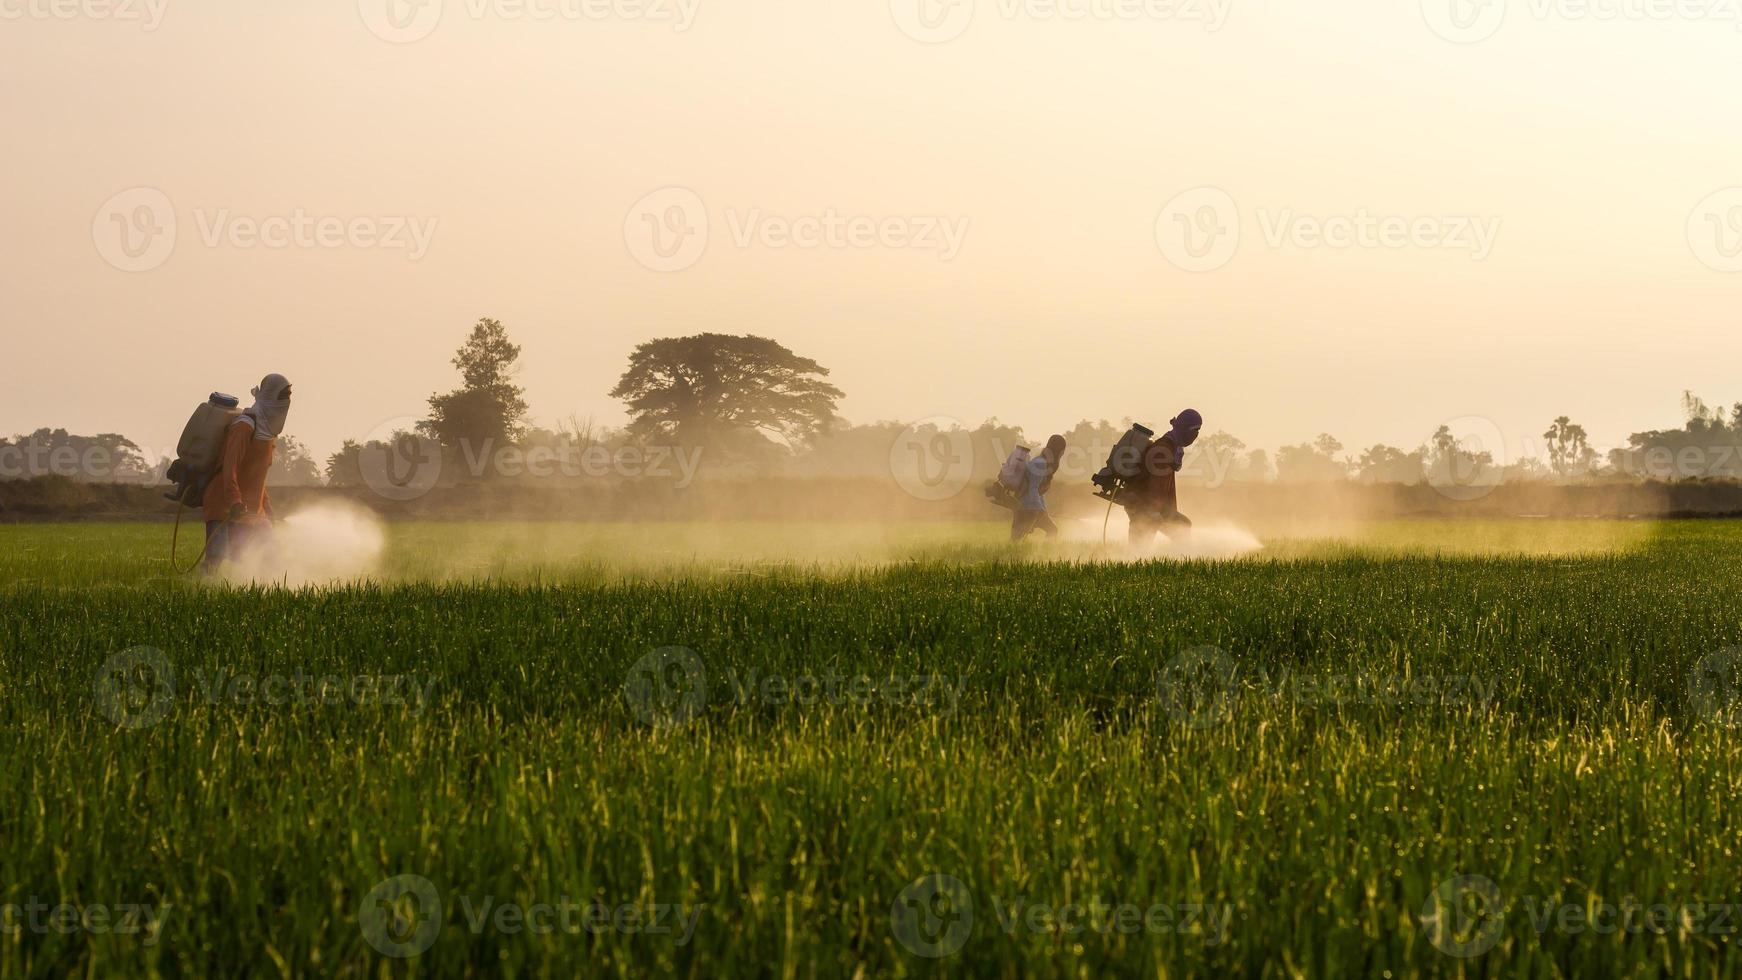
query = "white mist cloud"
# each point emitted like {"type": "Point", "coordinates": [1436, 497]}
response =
{"type": "Point", "coordinates": [325, 544]}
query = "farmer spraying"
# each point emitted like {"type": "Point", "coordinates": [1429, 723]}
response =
{"type": "Point", "coordinates": [1154, 503]}
{"type": "Point", "coordinates": [1139, 477]}
{"type": "Point", "coordinates": [238, 511]}
{"type": "Point", "coordinates": [1031, 504]}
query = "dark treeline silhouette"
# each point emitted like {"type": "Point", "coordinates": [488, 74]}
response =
{"type": "Point", "coordinates": [717, 405]}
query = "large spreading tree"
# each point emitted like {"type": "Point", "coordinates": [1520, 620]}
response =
{"type": "Point", "coordinates": [488, 406]}
{"type": "Point", "coordinates": [740, 394]}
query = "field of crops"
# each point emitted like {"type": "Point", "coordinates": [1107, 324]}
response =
{"type": "Point", "coordinates": [1485, 749]}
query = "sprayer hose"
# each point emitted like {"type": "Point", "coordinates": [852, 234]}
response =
{"type": "Point", "coordinates": [175, 535]}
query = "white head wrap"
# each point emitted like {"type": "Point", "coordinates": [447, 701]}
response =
{"type": "Point", "coordinates": [271, 407]}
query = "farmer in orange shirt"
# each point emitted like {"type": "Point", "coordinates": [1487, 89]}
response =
{"type": "Point", "coordinates": [236, 505]}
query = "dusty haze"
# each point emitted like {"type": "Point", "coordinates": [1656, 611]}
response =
{"type": "Point", "coordinates": [510, 161]}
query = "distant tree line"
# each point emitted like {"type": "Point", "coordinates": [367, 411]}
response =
{"type": "Point", "coordinates": [747, 405]}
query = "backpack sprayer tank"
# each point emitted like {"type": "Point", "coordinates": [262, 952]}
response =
{"type": "Point", "coordinates": [1012, 477]}
{"type": "Point", "coordinates": [201, 448]}
{"type": "Point", "coordinates": [1124, 464]}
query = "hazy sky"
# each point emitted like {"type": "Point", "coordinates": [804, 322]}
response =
{"type": "Point", "coordinates": [964, 209]}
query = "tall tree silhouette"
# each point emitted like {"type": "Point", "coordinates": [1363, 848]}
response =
{"type": "Point", "coordinates": [1568, 446]}
{"type": "Point", "coordinates": [736, 393]}
{"type": "Point", "coordinates": [488, 406]}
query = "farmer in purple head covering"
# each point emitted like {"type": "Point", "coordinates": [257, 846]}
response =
{"type": "Point", "coordinates": [1154, 503]}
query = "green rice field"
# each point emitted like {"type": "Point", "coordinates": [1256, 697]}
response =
{"type": "Point", "coordinates": [1488, 749]}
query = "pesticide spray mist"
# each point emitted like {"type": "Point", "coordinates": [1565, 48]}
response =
{"type": "Point", "coordinates": [326, 544]}
{"type": "Point", "coordinates": [1210, 540]}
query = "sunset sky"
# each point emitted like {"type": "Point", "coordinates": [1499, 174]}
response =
{"type": "Point", "coordinates": [1533, 215]}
